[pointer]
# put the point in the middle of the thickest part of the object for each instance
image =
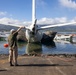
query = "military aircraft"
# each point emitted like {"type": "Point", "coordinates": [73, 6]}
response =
{"type": "Point", "coordinates": [32, 32]}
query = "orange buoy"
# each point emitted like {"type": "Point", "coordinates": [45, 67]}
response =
{"type": "Point", "coordinates": [5, 45]}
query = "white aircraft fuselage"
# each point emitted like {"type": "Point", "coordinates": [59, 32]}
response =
{"type": "Point", "coordinates": [33, 37]}
{"type": "Point", "coordinates": [32, 33]}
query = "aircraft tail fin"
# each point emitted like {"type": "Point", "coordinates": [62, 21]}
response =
{"type": "Point", "coordinates": [33, 12]}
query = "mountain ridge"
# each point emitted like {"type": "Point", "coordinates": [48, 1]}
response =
{"type": "Point", "coordinates": [4, 27]}
{"type": "Point", "coordinates": [71, 28]}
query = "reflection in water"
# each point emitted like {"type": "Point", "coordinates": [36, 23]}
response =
{"type": "Point", "coordinates": [51, 47]}
{"type": "Point", "coordinates": [21, 44]}
{"type": "Point", "coordinates": [33, 48]}
{"type": "Point", "coordinates": [50, 44]}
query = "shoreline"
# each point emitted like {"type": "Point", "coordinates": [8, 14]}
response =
{"type": "Point", "coordinates": [43, 55]}
{"type": "Point", "coordinates": [39, 65]}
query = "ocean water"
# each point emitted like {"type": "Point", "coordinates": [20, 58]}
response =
{"type": "Point", "coordinates": [55, 47]}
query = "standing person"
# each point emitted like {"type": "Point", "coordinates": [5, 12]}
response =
{"type": "Point", "coordinates": [13, 49]}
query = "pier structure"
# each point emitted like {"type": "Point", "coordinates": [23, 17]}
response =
{"type": "Point", "coordinates": [4, 35]}
{"type": "Point", "coordinates": [66, 37]}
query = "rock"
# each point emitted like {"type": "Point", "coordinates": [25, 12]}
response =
{"type": "Point", "coordinates": [21, 36]}
{"type": "Point", "coordinates": [48, 36]}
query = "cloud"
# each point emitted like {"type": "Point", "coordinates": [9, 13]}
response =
{"type": "Point", "coordinates": [11, 21]}
{"type": "Point", "coordinates": [68, 3]}
{"type": "Point", "coordinates": [60, 20]}
{"type": "Point", "coordinates": [6, 20]}
{"type": "Point", "coordinates": [41, 21]}
{"type": "Point", "coordinates": [52, 20]}
{"type": "Point", "coordinates": [3, 13]}
{"type": "Point", "coordinates": [41, 3]}
{"type": "Point", "coordinates": [74, 20]}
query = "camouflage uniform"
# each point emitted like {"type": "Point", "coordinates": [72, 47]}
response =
{"type": "Point", "coordinates": [13, 50]}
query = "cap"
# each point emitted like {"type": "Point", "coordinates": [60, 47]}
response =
{"type": "Point", "coordinates": [12, 30]}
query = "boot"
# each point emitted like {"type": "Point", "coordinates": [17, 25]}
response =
{"type": "Point", "coordinates": [11, 64]}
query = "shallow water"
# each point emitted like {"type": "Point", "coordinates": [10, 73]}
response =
{"type": "Point", "coordinates": [55, 47]}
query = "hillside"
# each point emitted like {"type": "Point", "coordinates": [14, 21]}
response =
{"type": "Point", "coordinates": [71, 28]}
{"type": "Point", "coordinates": [6, 27]}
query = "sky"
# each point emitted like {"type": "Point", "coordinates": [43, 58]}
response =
{"type": "Point", "coordinates": [47, 11]}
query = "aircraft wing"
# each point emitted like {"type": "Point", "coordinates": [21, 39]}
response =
{"type": "Point", "coordinates": [55, 25]}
